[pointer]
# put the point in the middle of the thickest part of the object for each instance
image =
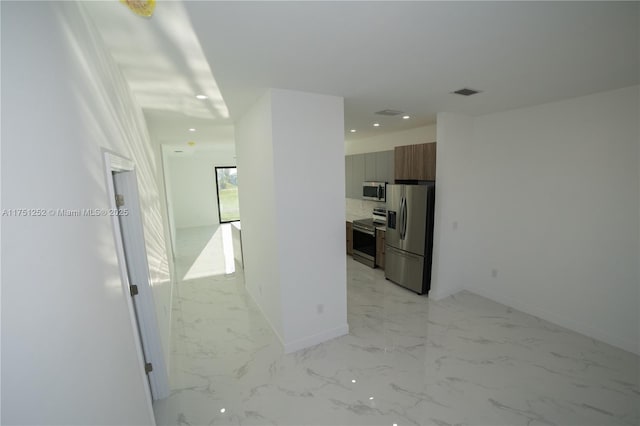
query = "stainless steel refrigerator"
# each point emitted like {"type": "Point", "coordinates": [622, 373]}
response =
{"type": "Point", "coordinates": [409, 236]}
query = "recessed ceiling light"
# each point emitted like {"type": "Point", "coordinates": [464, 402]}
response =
{"type": "Point", "coordinates": [376, 124]}
{"type": "Point", "coordinates": [371, 398]}
{"type": "Point", "coordinates": [202, 96]}
{"type": "Point", "coordinates": [192, 129]}
{"type": "Point", "coordinates": [406, 117]}
{"type": "Point", "coordinates": [222, 410]}
{"type": "Point", "coordinates": [352, 130]}
{"type": "Point", "coordinates": [353, 381]}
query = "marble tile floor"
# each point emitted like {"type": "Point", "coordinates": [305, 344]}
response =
{"type": "Point", "coordinates": [407, 360]}
{"type": "Point", "coordinates": [204, 251]}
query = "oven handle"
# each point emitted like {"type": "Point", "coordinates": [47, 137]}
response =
{"type": "Point", "coordinates": [364, 230]}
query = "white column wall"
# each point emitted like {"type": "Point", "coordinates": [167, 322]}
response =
{"type": "Point", "coordinates": [308, 146]}
{"type": "Point", "coordinates": [256, 184]}
{"type": "Point", "coordinates": [454, 157]}
{"type": "Point", "coordinates": [295, 269]}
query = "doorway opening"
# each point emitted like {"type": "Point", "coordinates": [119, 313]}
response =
{"type": "Point", "coordinates": [227, 193]}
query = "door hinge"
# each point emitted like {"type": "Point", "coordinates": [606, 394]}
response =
{"type": "Point", "coordinates": [148, 368]}
{"type": "Point", "coordinates": [119, 200]}
{"type": "Point", "coordinates": [133, 289]}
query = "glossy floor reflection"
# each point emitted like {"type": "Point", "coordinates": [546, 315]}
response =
{"type": "Point", "coordinates": [407, 361]}
{"type": "Point", "coordinates": [204, 251]}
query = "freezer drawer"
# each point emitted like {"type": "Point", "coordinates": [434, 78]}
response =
{"type": "Point", "coordinates": [405, 269]}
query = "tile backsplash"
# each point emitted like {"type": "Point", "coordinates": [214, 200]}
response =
{"type": "Point", "coordinates": [360, 209]}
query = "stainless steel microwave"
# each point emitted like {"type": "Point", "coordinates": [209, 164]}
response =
{"type": "Point", "coordinates": [374, 191]}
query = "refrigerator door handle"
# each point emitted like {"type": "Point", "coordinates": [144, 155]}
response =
{"type": "Point", "coordinates": [404, 221]}
{"type": "Point", "coordinates": [403, 218]}
{"type": "Point", "coordinates": [400, 219]}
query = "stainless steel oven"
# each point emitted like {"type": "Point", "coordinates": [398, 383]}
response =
{"type": "Point", "coordinates": [364, 242]}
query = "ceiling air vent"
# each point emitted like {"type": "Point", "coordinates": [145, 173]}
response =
{"type": "Point", "coordinates": [466, 92]}
{"type": "Point", "coordinates": [389, 112]}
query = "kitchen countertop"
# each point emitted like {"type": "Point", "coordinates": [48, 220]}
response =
{"type": "Point", "coordinates": [352, 217]}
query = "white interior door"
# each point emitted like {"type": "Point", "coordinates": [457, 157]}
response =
{"type": "Point", "coordinates": [130, 242]}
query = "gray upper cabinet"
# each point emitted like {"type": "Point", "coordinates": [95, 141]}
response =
{"type": "Point", "coordinates": [384, 166]}
{"type": "Point", "coordinates": [381, 167]}
{"type": "Point", "coordinates": [348, 178]}
{"type": "Point", "coordinates": [372, 166]}
{"type": "Point", "coordinates": [391, 166]}
{"type": "Point", "coordinates": [358, 176]}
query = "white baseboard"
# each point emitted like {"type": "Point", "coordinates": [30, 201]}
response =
{"type": "Point", "coordinates": [323, 336]}
{"type": "Point", "coordinates": [305, 342]}
{"type": "Point", "coordinates": [275, 331]}
{"type": "Point", "coordinates": [586, 329]}
{"type": "Point", "coordinates": [439, 295]}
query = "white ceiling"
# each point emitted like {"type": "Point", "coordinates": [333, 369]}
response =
{"type": "Point", "coordinates": [406, 56]}
{"type": "Point", "coordinates": [163, 63]}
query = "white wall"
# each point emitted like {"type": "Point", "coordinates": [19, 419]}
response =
{"type": "Point", "coordinates": [290, 141]}
{"type": "Point", "coordinates": [167, 196]}
{"type": "Point", "coordinates": [389, 141]}
{"type": "Point", "coordinates": [1, 206]}
{"type": "Point", "coordinates": [550, 199]}
{"type": "Point", "coordinates": [68, 349]}
{"type": "Point", "coordinates": [193, 186]}
{"type": "Point", "coordinates": [260, 235]}
{"type": "Point", "coordinates": [452, 192]}
{"type": "Point", "coordinates": [167, 135]}
{"type": "Point", "coordinates": [308, 146]}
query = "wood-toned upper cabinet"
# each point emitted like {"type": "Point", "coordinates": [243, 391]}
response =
{"type": "Point", "coordinates": [425, 161]}
{"type": "Point", "coordinates": [402, 162]}
{"type": "Point", "coordinates": [415, 162]}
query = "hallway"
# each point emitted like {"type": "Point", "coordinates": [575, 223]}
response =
{"type": "Point", "coordinates": [407, 361]}
{"type": "Point", "coordinates": [203, 251]}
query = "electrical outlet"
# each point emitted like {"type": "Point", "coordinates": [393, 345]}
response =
{"type": "Point", "coordinates": [454, 225]}
{"type": "Point", "coordinates": [260, 290]}
{"type": "Point", "coordinates": [320, 309]}
{"type": "Point", "coordinates": [494, 273]}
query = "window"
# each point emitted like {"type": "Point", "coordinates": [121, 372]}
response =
{"type": "Point", "coordinates": [227, 189]}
